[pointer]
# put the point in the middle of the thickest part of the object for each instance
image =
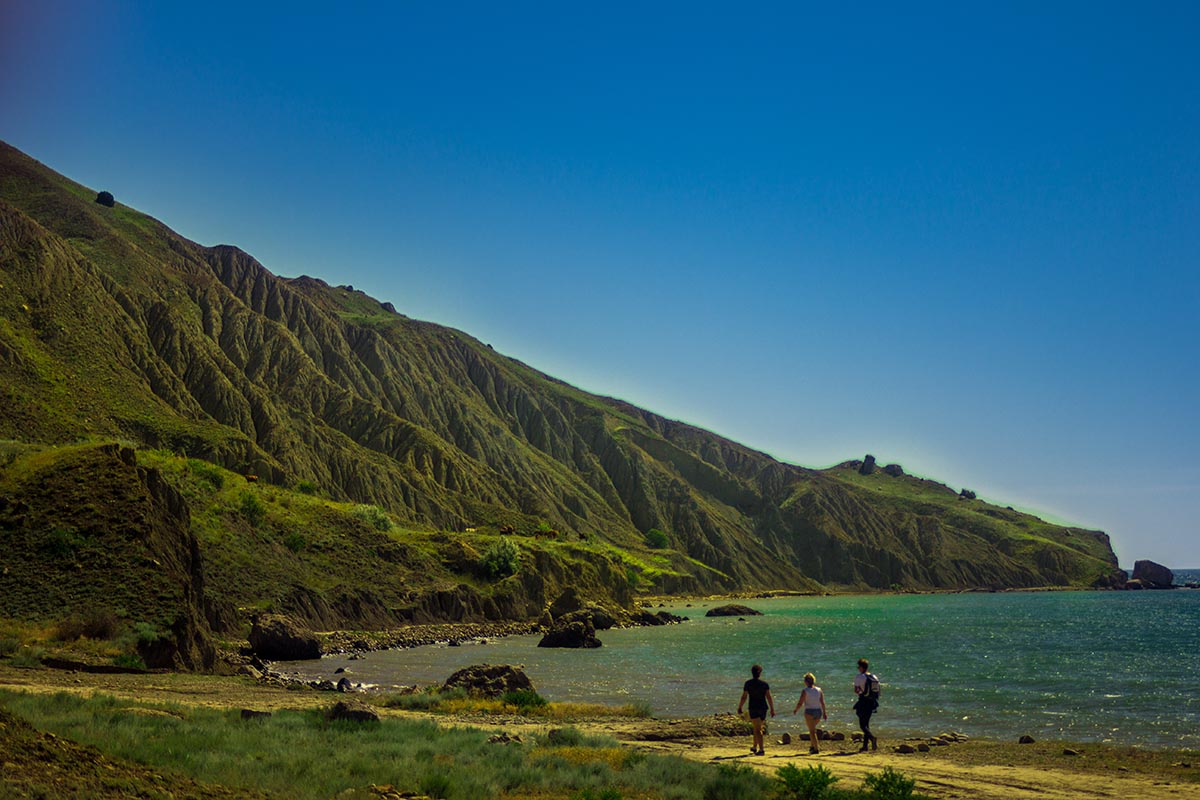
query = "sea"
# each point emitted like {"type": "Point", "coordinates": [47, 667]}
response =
{"type": "Point", "coordinates": [1115, 667]}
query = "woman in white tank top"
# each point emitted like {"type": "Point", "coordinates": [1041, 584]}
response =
{"type": "Point", "coordinates": [813, 700]}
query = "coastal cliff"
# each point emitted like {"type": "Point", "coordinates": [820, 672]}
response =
{"type": "Point", "coordinates": [115, 328]}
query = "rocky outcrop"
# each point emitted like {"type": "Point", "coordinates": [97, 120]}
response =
{"type": "Point", "coordinates": [352, 711]}
{"type": "Point", "coordinates": [733, 610]}
{"type": "Point", "coordinates": [571, 634]}
{"type": "Point", "coordinates": [489, 680]}
{"type": "Point", "coordinates": [279, 638]}
{"type": "Point", "coordinates": [1152, 575]}
{"type": "Point", "coordinates": [868, 466]}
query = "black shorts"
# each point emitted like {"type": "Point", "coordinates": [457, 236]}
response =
{"type": "Point", "coordinates": [758, 713]}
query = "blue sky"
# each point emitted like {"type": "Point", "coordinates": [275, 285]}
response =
{"type": "Point", "coordinates": [964, 238]}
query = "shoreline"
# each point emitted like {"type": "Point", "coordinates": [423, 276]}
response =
{"type": "Point", "coordinates": [980, 768]}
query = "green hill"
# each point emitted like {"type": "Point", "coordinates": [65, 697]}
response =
{"type": "Point", "coordinates": [115, 329]}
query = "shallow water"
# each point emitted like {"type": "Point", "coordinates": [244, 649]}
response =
{"type": "Point", "coordinates": [1085, 666]}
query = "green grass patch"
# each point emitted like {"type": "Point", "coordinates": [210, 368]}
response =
{"type": "Point", "coordinates": [300, 754]}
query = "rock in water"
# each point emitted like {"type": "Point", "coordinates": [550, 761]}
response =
{"type": "Point", "coordinates": [733, 610]}
{"type": "Point", "coordinates": [571, 634]}
{"type": "Point", "coordinates": [279, 638]}
{"type": "Point", "coordinates": [489, 680]}
{"type": "Point", "coordinates": [1152, 575]}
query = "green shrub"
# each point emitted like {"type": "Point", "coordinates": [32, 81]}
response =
{"type": "Point", "coordinates": [501, 559]}
{"type": "Point", "coordinates": [62, 543]}
{"type": "Point", "coordinates": [148, 633]}
{"type": "Point", "coordinates": [374, 516]}
{"type": "Point", "coordinates": [306, 487]}
{"type": "Point", "coordinates": [129, 661]}
{"type": "Point", "coordinates": [8, 646]}
{"type": "Point", "coordinates": [295, 541]}
{"type": "Point", "coordinates": [810, 783]}
{"type": "Point", "coordinates": [436, 784]}
{"type": "Point", "coordinates": [28, 657]}
{"type": "Point", "coordinates": [736, 782]}
{"type": "Point", "coordinates": [252, 509]}
{"type": "Point", "coordinates": [209, 473]}
{"type": "Point", "coordinates": [891, 784]}
{"type": "Point", "coordinates": [524, 699]}
{"type": "Point", "coordinates": [657, 539]}
{"type": "Point", "coordinates": [598, 794]}
{"type": "Point", "coordinates": [95, 623]}
{"type": "Point", "coordinates": [424, 700]}
{"type": "Point", "coordinates": [564, 737]}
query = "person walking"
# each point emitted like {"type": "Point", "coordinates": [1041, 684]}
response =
{"type": "Point", "coordinates": [813, 700]}
{"type": "Point", "coordinates": [758, 693]}
{"type": "Point", "coordinates": [866, 687]}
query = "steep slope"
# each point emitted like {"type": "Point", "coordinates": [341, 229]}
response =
{"type": "Point", "coordinates": [111, 325]}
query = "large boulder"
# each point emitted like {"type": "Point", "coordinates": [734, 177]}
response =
{"type": "Point", "coordinates": [868, 465]}
{"type": "Point", "coordinates": [733, 610]}
{"type": "Point", "coordinates": [106, 199]}
{"type": "Point", "coordinates": [1152, 575]}
{"type": "Point", "coordinates": [489, 680]}
{"type": "Point", "coordinates": [601, 620]}
{"type": "Point", "coordinates": [571, 634]}
{"type": "Point", "coordinates": [275, 637]}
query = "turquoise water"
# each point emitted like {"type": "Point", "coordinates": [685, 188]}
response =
{"type": "Point", "coordinates": [1085, 666]}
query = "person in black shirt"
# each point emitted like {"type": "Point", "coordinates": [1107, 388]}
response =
{"type": "Point", "coordinates": [758, 693]}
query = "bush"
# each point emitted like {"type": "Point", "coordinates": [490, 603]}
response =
{"type": "Point", "coordinates": [436, 784]}
{"type": "Point", "coordinates": [62, 543]}
{"type": "Point", "coordinates": [810, 783]}
{"type": "Point", "coordinates": [129, 661]}
{"type": "Point", "coordinates": [735, 782]}
{"type": "Point", "coordinates": [523, 699]}
{"type": "Point", "coordinates": [95, 623]}
{"type": "Point", "coordinates": [891, 784]}
{"type": "Point", "coordinates": [207, 472]}
{"type": "Point", "coordinates": [501, 559]}
{"type": "Point", "coordinates": [656, 539]}
{"type": "Point", "coordinates": [8, 646]}
{"type": "Point", "coordinates": [295, 541]}
{"type": "Point", "coordinates": [306, 487]}
{"type": "Point", "coordinates": [252, 509]}
{"type": "Point", "coordinates": [28, 657]}
{"type": "Point", "coordinates": [423, 701]}
{"type": "Point", "coordinates": [374, 516]}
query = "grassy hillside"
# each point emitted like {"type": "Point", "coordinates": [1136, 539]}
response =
{"type": "Point", "coordinates": [115, 329]}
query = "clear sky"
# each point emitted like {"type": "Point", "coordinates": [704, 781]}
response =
{"type": "Point", "coordinates": [963, 237]}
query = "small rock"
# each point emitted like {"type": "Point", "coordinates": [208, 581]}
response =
{"type": "Point", "coordinates": [454, 643]}
{"type": "Point", "coordinates": [344, 685]}
{"type": "Point", "coordinates": [353, 711]}
{"type": "Point", "coordinates": [1026, 739]}
{"type": "Point", "coordinates": [906, 748]}
{"type": "Point", "coordinates": [924, 748]}
{"type": "Point", "coordinates": [732, 610]}
{"type": "Point", "coordinates": [1067, 751]}
{"type": "Point", "coordinates": [339, 670]}
{"type": "Point", "coordinates": [785, 739]}
{"type": "Point", "coordinates": [248, 713]}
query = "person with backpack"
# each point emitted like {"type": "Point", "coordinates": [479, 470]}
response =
{"type": "Point", "coordinates": [866, 686]}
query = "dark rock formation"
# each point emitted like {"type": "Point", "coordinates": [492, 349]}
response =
{"type": "Point", "coordinates": [352, 711]}
{"type": "Point", "coordinates": [571, 634]}
{"type": "Point", "coordinates": [1026, 739]}
{"type": "Point", "coordinates": [489, 680]}
{"type": "Point", "coordinates": [895, 470]}
{"type": "Point", "coordinates": [868, 465]}
{"type": "Point", "coordinates": [106, 199]}
{"type": "Point", "coordinates": [967, 494]}
{"type": "Point", "coordinates": [733, 610]}
{"type": "Point", "coordinates": [278, 638]}
{"type": "Point", "coordinates": [600, 619]}
{"type": "Point", "coordinates": [1152, 575]}
{"type": "Point", "coordinates": [566, 602]}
